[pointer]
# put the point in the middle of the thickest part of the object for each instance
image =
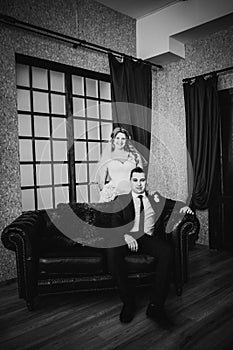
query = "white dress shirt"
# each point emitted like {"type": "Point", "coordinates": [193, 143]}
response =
{"type": "Point", "coordinates": [149, 222]}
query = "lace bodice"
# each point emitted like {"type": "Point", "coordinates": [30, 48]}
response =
{"type": "Point", "coordinates": [119, 172]}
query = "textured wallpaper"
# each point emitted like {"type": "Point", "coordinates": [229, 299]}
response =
{"type": "Point", "coordinates": [82, 19]}
{"type": "Point", "coordinates": [95, 23]}
{"type": "Point", "coordinates": [202, 56]}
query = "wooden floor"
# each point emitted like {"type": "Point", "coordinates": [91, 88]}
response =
{"type": "Point", "coordinates": [203, 315]}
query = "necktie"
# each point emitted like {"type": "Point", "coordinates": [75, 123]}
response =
{"type": "Point", "coordinates": [142, 214]}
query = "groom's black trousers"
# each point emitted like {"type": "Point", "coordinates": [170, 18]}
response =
{"type": "Point", "coordinates": [151, 245]}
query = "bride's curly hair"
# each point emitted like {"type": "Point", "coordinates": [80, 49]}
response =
{"type": "Point", "coordinates": [128, 146]}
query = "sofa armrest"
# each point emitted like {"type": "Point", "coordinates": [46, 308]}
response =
{"type": "Point", "coordinates": [25, 227]}
{"type": "Point", "coordinates": [188, 226]}
{"type": "Point", "coordinates": [184, 234]}
{"type": "Point", "coordinates": [182, 231]}
{"type": "Point", "coordinates": [22, 236]}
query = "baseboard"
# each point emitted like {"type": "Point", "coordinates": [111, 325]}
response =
{"type": "Point", "coordinates": [4, 283]}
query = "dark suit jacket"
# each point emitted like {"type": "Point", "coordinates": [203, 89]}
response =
{"type": "Point", "coordinates": [124, 212]}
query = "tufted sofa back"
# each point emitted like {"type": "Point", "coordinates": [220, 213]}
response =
{"type": "Point", "coordinates": [82, 223]}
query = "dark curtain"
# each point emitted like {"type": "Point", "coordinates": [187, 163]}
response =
{"type": "Point", "coordinates": [202, 133]}
{"type": "Point", "coordinates": [221, 208]}
{"type": "Point", "coordinates": [131, 95]}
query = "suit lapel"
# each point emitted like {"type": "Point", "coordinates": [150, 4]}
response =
{"type": "Point", "coordinates": [152, 202]}
{"type": "Point", "coordinates": [157, 206]}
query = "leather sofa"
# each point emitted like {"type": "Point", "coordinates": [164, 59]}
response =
{"type": "Point", "coordinates": [63, 249]}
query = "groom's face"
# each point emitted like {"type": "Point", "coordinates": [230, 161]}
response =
{"type": "Point", "coordinates": [138, 183]}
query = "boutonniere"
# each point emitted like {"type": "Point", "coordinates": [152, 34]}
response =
{"type": "Point", "coordinates": [156, 198]}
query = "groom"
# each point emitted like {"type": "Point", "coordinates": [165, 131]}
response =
{"type": "Point", "coordinates": [136, 218]}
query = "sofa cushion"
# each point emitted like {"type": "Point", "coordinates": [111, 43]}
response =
{"type": "Point", "coordinates": [140, 263]}
{"type": "Point", "coordinates": [73, 260]}
{"type": "Point", "coordinates": [65, 251]}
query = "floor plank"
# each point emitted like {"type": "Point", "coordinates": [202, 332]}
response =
{"type": "Point", "coordinates": [84, 321]}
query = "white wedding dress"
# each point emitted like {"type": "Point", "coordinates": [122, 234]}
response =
{"type": "Point", "coordinates": [119, 173]}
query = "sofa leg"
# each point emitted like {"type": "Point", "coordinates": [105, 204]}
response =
{"type": "Point", "coordinates": [30, 304]}
{"type": "Point", "coordinates": [179, 291]}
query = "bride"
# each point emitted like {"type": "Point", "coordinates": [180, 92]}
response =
{"type": "Point", "coordinates": [118, 158]}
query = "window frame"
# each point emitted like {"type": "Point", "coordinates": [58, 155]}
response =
{"type": "Point", "coordinates": [68, 71]}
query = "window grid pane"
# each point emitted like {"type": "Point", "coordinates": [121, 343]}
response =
{"type": "Point", "coordinates": [61, 195]}
{"type": "Point", "coordinates": [105, 90]}
{"type": "Point", "coordinates": [41, 126]}
{"type": "Point", "coordinates": [57, 81]}
{"type": "Point", "coordinates": [43, 172]}
{"type": "Point", "coordinates": [28, 199]}
{"type": "Point", "coordinates": [44, 196]}
{"type": "Point", "coordinates": [58, 127]}
{"type": "Point", "coordinates": [26, 172]}
{"type": "Point", "coordinates": [22, 75]}
{"type": "Point", "coordinates": [79, 129]}
{"type": "Point", "coordinates": [79, 107]}
{"type": "Point", "coordinates": [48, 131]}
{"type": "Point", "coordinates": [92, 87]}
{"type": "Point", "coordinates": [81, 172]}
{"type": "Point", "coordinates": [60, 174]}
{"type": "Point", "coordinates": [41, 102]}
{"type": "Point", "coordinates": [82, 193]}
{"type": "Point", "coordinates": [39, 78]}
{"type": "Point", "coordinates": [23, 100]}
{"type": "Point", "coordinates": [77, 85]}
{"type": "Point", "coordinates": [24, 125]}
{"type": "Point", "coordinates": [58, 104]}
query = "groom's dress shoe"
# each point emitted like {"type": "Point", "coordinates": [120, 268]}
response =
{"type": "Point", "coordinates": [159, 316]}
{"type": "Point", "coordinates": [127, 312]}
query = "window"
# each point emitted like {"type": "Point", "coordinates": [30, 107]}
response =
{"type": "Point", "coordinates": [64, 117]}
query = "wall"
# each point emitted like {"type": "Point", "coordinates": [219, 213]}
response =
{"type": "Point", "coordinates": [81, 19]}
{"type": "Point", "coordinates": [93, 22]}
{"type": "Point", "coordinates": [202, 56]}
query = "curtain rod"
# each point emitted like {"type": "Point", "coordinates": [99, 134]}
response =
{"type": "Point", "coordinates": [205, 74]}
{"type": "Point", "coordinates": [8, 20]}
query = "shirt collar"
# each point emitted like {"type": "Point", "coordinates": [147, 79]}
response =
{"type": "Point", "coordinates": [135, 195]}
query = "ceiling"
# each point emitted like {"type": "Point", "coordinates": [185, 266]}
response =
{"type": "Point", "coordinates": [175, 23]}
{"type": "Point", "coordinates": [137, 8]}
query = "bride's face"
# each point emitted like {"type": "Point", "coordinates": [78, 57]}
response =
{"type": "Point", "coordinates": [120, 141]}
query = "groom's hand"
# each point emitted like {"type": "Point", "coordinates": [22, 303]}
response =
{"type": "Point", "coordinates": [186, 210]}
{"type": "Point", "coordinates": [131, 242]}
